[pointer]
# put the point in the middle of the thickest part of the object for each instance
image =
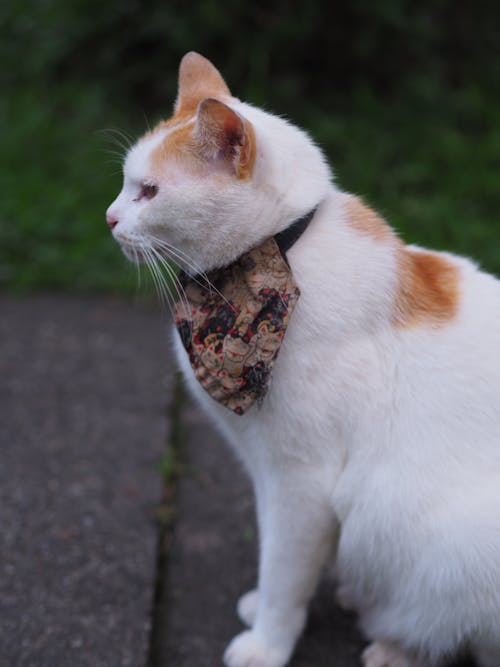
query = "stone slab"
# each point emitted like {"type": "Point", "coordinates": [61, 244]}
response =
{"type": "Point", "coordinates": [84, 385]}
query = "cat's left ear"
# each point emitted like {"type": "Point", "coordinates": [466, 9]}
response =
{"type": "Point", "coordinates": [222, 134]}
{"type": "Point", "coordinates": [198, 79]}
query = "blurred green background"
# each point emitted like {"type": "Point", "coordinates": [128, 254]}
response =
{"type": "Point", "coordinates": [403, 96]}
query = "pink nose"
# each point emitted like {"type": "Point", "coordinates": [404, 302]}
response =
{"type": "Point", "coordinates": [111, 220]}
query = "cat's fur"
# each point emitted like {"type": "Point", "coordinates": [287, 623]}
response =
{"type": "Point", "coordinates": [378, 444]}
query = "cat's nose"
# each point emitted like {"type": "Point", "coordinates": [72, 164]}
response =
{"type": "Point", "coordinates": [111, 219]}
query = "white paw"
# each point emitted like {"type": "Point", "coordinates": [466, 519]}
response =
{"type": "Point", "coordinates": [248, 650]}
{"type": "Point", "coordinates": [382, 654]}
{"type": "Point", "coordinates": [247, 607]}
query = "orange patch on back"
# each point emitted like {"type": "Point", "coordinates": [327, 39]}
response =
{"type": "Point", "coordinates": [365, 220]}
{"type": "Point", "coordinates": [428, 290]}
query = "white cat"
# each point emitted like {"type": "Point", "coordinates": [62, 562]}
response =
{"type": "Point", "coordinates": [377, 445]}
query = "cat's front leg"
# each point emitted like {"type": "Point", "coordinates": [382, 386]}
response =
{"type": "Point", "coordinates": [297, 527]}
{"type": "Point", "coordinates": [247, 607]}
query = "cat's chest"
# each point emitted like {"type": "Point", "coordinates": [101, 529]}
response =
{"type": "Point", "coordinates": [316, 393]}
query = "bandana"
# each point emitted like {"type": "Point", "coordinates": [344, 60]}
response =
{"type": "Point", "coordinates": [233, 331]}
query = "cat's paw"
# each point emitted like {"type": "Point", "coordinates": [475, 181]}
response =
{"type": "Point", "coordinates": [247, 607]}
{"type": "Point", "coordinates": [248, 650]}
{"type": "Point", "coordinates": [384, 654]}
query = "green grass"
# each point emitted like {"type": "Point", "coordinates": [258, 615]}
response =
{"type": "Point", "coordinates": [57, 183]}
{"type": "Point", "coordinates": [430, 163]}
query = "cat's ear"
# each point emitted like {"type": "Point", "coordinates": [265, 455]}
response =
{"type": "Point", "coordinates": [223, 135]}
{"type": "Point", "coordinates": [198, 79]}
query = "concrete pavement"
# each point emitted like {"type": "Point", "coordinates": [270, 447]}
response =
{"type": "Point", "coordinates": [83, 391]}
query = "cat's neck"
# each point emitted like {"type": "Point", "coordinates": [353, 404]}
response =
{"type": "Point", "coordinates": [346, 264]}
{"type": "Point", "coordinates": [358, 278]}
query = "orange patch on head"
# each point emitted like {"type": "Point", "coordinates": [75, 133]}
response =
{"type": "Point", "coordinates": [198, 79]}
{"type": "Point", "coordinates": [428, 291]}
{"type": "Point", "coordinates": [365, 220]}
{"type": "Point", "coordinates": [203, 127]}
{"type": "Point", "coordinates": [173, 146]}
{"type": "Point", "coordinates": [217, 134]}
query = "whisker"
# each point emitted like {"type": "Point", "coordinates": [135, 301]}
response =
{"type": "Point", "coordinates": [112, 151]}
{"type": "Point", "coordinates": [175, 251]}
{"type": "Point", "coordinates": [158, 277]}
{"type": "Point", "coordinates": [183, 257]}
{"type": "Point", "coordinates": [181, 293]}
{"type": "Point", "coordinates": [176, 281]}
{"type": "Point", "coordinates": [171, 256]}
{"type": "Point", "coordinates": [120, 137]}
{"type": "Point", "coordinates": [147, 121]}
{"type": "Point", "coordinates": [165, 288]}
{"type": "Point", "coordinates": [153, 277]}
{"type": "Point", "coordinates": [176, 256]}
{"type": "Point", "coordinates": [152, 269]}
{"type": "Point", "coordinates": [124, 148]}
{"type": "Point", "coordinates": [138, 266]}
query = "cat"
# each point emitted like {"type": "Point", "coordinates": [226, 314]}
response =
{"type": "Point", "coordinates": [377, 446]}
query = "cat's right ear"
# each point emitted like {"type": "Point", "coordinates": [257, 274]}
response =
{"type": "Point", "coordinates": [223, 135]}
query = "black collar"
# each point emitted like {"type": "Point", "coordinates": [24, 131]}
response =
{"type": "Point", "coordinates": [291, 234]}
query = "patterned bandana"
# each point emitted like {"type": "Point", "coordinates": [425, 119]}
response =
{"type": "Point", "coordinates": [233, 333]}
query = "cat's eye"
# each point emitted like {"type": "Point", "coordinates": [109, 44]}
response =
{"type": "Point", "coordinates": [148, 191]}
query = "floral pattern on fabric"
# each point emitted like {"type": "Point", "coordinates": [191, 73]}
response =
{"type": "Point", "coordinates": [233, 335]}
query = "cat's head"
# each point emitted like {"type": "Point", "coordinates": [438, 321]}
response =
{"type": "Point", "coordinates": [215, 179]}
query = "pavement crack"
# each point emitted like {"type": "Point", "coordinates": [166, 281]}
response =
{"type": "Point", "coordinates": [170, 467]}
